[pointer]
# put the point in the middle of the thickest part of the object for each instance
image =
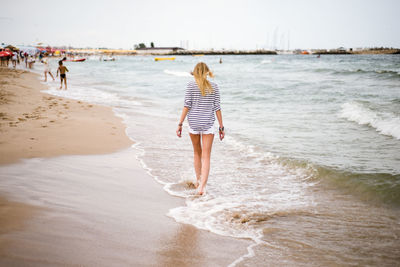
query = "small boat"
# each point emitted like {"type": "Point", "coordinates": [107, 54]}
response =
{"type": "Point", "coordinates": [200, 55]}
{"type": "Point", "coordinates": [77, 60]}
{"type": "Point", "coordinates": [164, 58]}
{"type": "Point", "coordinates": [305, 52]}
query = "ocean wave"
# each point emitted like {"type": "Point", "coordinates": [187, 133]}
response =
{"type": "Point", "coordinates": [378, 72]}
{"type": "Point", "coordinates": [383, 187]}
{"type": "Point", "coordinates": [267, 61]}
{"type": "Point", "coordinates": [178, 73]}
{"type": "Point", "coordinates": [384, 123]}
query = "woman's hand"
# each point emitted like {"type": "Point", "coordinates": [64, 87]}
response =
{"type": "Point", "coordinates": [221, 133]}
{"type": "Point", "coordinates": [179, 131]}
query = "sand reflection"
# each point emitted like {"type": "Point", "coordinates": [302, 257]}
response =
{"type": "Point", "coordinates": [181, 249]}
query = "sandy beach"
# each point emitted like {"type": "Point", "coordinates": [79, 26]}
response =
{"type": "Point", "coordinates": [34, 124]}
{"type": "Point", "coordinates": [73, 193]}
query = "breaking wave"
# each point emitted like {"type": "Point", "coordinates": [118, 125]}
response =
{"type": "Point", "coordinates": [384, 123]}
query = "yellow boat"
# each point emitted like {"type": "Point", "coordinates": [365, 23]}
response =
{"type": "Point", "coordinates": [200, 55]}
{"type": "Point", "coordinates": [164, 58]}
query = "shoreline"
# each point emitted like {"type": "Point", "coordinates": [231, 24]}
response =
{"type": "Point", "coordinates": [36, 124]}
{"type": "Point", "coordinates": [72, 202]}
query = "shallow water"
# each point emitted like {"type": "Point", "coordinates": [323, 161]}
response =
{"type": "Point", "coordinates": [310, 167]}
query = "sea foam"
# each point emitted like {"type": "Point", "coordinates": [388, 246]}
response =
{"type": "Point", "coordinates": [384, 123]}
{"type": "Point", "coordinates": [178, 73]}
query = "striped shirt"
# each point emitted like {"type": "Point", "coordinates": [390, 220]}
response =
{"type": "Point", "coordinates": [202, 109]}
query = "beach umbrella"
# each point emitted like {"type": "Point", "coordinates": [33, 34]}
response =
{"type": "Point", "coordinates": [11, 47]}
{"type": "Point", "coordinates": [5, 54]}
{"type": "Point", "coordinates": [29, 50]}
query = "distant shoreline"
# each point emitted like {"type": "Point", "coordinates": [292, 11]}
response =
{"type": "Point", "coordinates": [182, 52]}
{"type": "Point", "coordinates": [298, 52]}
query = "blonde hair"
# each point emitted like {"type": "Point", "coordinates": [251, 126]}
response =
{"type": "Point", "coordinates": [200, 73]}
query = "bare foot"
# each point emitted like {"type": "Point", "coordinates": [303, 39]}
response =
{"type": "Point", "coordinates": [60, 87]}
{"type": "Point", "coordinates": [197, 183]}
{"type": "Point", "coordinates": [200, 191]}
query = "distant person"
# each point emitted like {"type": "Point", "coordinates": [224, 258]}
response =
{"type": "Point", "coordinates": [220, 60]}
{"type": "Point", "coordinates": [202, 103]}
{"type": "Point", "coordinates": [47, 68]}
{"type": "Point", "coordinates": [14, 59]}
{"type": "Point", "coordinates": [8, 60]}
{"type": "Point", "coordinates": [31, 61]}
{"type": "Point", "coordinates": [318, 56]}
{"type": "Point", "coordinates": [26, 59]}
{"type": "Point", "coordinates": [62, 69]}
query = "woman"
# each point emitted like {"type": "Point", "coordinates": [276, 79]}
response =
{"type": "Point", "coordinates": [202, 102]}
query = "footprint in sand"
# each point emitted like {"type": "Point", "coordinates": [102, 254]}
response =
{"type": "Point", "coordinates": [44, 126]}
{"type": "Point", "coordinates": [90, 106]}
{"type": "Point", "coordinates": [21, 119]}
{"type": "Point", "coordinates": [52, 121]}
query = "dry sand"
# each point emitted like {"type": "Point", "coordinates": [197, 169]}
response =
{"type": "Point", "coordinates": [93, 210]}
{"type": "Point", "coordinates": [34, 124]}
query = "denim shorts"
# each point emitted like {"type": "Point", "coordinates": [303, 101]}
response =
{"type": "Point", "coordinates": [211, 130]}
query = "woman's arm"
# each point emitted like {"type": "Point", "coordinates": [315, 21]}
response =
{"type": "Point", "coordinates": [221, 124]}
{"type": "Point", "coordinates": [185, 111]}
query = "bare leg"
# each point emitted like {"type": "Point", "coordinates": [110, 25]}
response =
{"type": "Point", "coordinates": [196, 156]}
{"type": "Point", "coordinates": [61, 79]}
{"type": "Point", "coordinates": [207, 140]}
{"type": "Point", "coordinates": [45, 76]}
{"type": "Point", "coordinates": [65, 83]}
{"type": "Point", "coordinates": [51, 75]}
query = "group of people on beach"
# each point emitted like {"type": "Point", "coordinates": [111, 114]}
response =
{"type": "Point", "coordinates": [19, 56]}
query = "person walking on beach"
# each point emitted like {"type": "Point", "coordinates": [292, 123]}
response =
{"type": "Point", "coordinates": [47, 69]}
{"type": "Point", "coordinates": [14, 59]}
{"type": "Point", "coordinates": [62, 69]}
{"type": "Point", "coordinates": [31, 61]}
{"type": "Point", "coordinates": [26, 59]}
{"type": "Point", "coordinates": [201, 104]}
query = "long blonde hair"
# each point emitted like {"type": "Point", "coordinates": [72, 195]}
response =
{"type": "Point", "coordinates": [200, 73]}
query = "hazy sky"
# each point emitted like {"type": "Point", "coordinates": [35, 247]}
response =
{"type": "Point", "coordinates": [203, 24]}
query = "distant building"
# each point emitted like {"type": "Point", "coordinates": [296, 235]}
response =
{"type": "Point", "coordinates": [157, 50]}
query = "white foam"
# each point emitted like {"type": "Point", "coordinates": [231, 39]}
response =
{"type": "Point", "coordinates": [178, 73]}
{"type": "Point", "coordinates": [230, 193]}
{"type": "Point", "coordinates": [384, 123]}
{"type": "Point", "coordinates": [266, 61]}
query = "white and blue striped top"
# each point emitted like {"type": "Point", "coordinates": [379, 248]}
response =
{"type": "Point", "coordinates": [202, 109]}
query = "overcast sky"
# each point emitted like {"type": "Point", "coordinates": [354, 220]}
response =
{"type": "Point", "coordinates": [203, 24]}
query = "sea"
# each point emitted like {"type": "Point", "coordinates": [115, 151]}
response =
{"type": "Point", "coordinates": [309, 170]}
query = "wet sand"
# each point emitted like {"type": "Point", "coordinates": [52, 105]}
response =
{"type": "Point", "coordinates": [89, 207]}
